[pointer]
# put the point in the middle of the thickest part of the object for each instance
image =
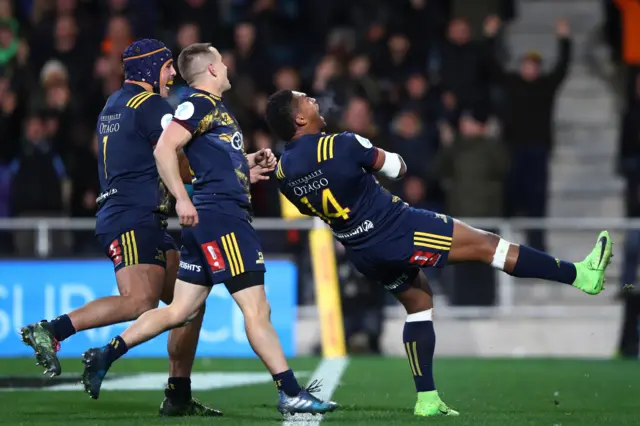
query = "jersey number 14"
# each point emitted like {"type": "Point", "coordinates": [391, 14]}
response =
{"type": "Point", "coordinates": [329, 203]}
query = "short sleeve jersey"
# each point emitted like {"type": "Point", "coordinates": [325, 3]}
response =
{"type": "Point", "coordinates": [129, 126]}
{"type": "Point", "coordinates": [330, 176]}
{"type": "Point", "coordinates": [219, 167]}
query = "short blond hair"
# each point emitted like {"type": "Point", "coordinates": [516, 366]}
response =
{"type": "Point", "coordinates": [188, 57]}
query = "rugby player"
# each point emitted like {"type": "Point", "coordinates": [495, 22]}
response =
{"type": "Point", "coordinates": [219, 243]}
{"type": "Point", "coordinates": [330, 176]}
{"type": "Point", "coordinates": [131, 221]}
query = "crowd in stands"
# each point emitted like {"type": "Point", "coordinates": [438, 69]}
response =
{"type": "Point", "coordinates": [411, 75]}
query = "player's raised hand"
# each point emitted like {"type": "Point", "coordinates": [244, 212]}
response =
{"type": "Point", "coordinates": [265, 158]}
{"type": "Point", "coordinates": [187, 213]}
{"type": "Point", "coordinates": [258, 173]}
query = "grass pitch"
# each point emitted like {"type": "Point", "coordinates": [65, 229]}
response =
{"type": "Point", "coordinates": [373, 391]}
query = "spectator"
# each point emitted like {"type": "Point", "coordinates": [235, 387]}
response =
{"type": "Point", "coordinates": [528, 125]}
{"type": "Point", "coordinates": [419, 96]}
{"type": "Point", "coordinates": [456, 65]}
{"type": "Point", "coordinates": [414, 192]}
{"type": "Point", "coordinates": [357, 118]}
{"type": "Point", "coordinates": [415, 141]}
{"type": "Point", "coordinates": [473, 170]}
{"type": "Point", "coordinates": [39, 184]}
{"type": "Point", "coordinates": [329, 87]}
{"type": "Point", "coordinates": [250, 58]}
{"type": "Point", "coordinates": [10, 118]}
{"type": "Point", "coordinates": [361, 82]}
{"type": "Point", "coordinates": [68, 49]}
{"type": "Point", "coordinates": [118, 36]}
{"type": "Point", "coordinates": [8, 43]}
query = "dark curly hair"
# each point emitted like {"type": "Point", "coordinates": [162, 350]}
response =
{"type": "Point", "coordinates": [279, 115]}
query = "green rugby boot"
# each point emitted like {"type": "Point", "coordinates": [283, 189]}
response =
{"type": "Point", "coordinates": [429, 404]}
{"type": "Point", "coordinates": [590, 272]}
{"type": "Point", "coordinates": [40, 337]}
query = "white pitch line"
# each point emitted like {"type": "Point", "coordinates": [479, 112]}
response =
{"type": "Point", "coordinates": [329, 371]}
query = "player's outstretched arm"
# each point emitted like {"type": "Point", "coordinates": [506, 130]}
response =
{"type": "Point", "coordinates": [389, 164]}
{"type": "Point", "coordinates": [173, 138]}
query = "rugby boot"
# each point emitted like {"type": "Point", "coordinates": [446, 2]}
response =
{"type": "Point", "coordinates": [305, 402]}
{"type": "Point", "coordinates": [39, 337]}
{"type": "Point", "coordinates": [429, 404]}
{"type": "Point", "coordinates": [96, 365]}
{"type": "Point", "coordinates": [193, 407]}
{"type": "Point", "coordinates": [590, 272]}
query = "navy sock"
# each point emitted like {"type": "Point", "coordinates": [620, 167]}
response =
{"type": "Point", "coordinates": [286, 382]}
{"type": "Point", "coordinates": [115, 349]}
{"type": "Point", "coordinates": [419, 339]}
{"type": "Point", "coordinates": [179, 389]}
{"type": "Point", "coordinates": [62, 327]}
{"type": "Point", "coordinates": [532, 263]}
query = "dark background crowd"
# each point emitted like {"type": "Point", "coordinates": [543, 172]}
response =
{"type": "Point", "coordinates": [423, 78]}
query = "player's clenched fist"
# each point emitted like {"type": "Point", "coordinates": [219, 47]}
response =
{"type": "Point", "coordinates": [265, 158]}
{"type": "Point", "coordinates": [186, 212]}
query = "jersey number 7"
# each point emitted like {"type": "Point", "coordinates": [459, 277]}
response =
{"type": "Point", "coordinates": [328, 200]}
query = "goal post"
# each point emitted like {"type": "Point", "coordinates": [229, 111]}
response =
{"type": "Point", "coordinates": [327, 290]}
{"type": "Point", "coordinates": [326, 284]}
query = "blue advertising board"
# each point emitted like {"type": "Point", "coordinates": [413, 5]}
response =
{"type": "Point", "coordinates": [34, 290]}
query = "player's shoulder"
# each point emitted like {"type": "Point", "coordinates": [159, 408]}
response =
{"type": "Point", "coordinates": [143, 101]}
{"type": "Point", "coordinates": [341, 145]}
{"type": "Point", "coordinates": [354, 137]}
{"type": "Point", "coordinates": [195, 105]}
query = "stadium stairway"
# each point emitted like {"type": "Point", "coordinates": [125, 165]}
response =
{"type": "Point", "coordinates": [583, 180]}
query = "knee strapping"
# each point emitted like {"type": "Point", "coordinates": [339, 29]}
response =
{"type": "Point", "coordinates": [421, 316]}
{"type": "Point", "coordinates": [500, 255]}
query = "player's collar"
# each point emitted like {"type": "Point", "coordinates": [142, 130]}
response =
{"type": "Point", "coordinates": [133, 87]}
{"type": "Point", "coordinates": [204, 92]}
{"type": "Point", "coordinates": [293, 143]}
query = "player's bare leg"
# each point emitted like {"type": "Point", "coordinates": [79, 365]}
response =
{"type": "Point", "coordinates": [419, 339]}
{"type": "Point", "coordinates": [183, 341]}
{"type": "Point", "coordinates": [181, 347]}
{"type": "Point", "coordinates": [262, 336]}
{"type": "Point", "coordinates": [265, 343]}
{"type": "Point", "coordinates": [187, 302]}
{"type": "Point", "coordinates": [471, 244]}
{"type": "Point", "coordinates": [140, 287]}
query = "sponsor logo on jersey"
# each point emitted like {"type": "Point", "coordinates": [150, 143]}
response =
{"type": "Point", "coordinates": [115, 252]}
{"type": "Point", "coordinates": [364, 227]}
{"type": "Point", "coordinates": [106, 194]}
{"type": "Point", "coordinates": [260, 258]}
{"type": "Point", "coordinates": [397, 282]}
{"type": "Point", "coordinates": [190, 267]}
{"type": "Point", "coordinates": [185, 111]}
{"type": "Point", "coordinates": [214, 256]}
{"type": "Point", "coordinates": [363, 141]}
{"type": "Point", "coordinates": [165, 120]}
{"type": "Point", "coordinates": [305, 179]}
{"type": "Point", "coordinates": [309, 187]}
{"type": "Point", "coordinates": [237, 141]}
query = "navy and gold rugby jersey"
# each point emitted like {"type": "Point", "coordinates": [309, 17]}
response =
{"type": "Point", "coordinates": [131, 192]}
{"type": "Point", "coordinates": [331, 177]}
{"type": "Point", "coordinates": [219, 167]}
